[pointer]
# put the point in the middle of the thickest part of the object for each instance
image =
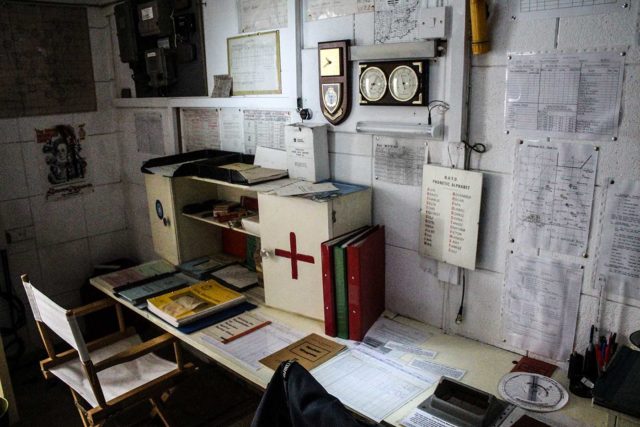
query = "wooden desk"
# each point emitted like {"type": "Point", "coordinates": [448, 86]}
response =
{"type": "Point", "coordinates": [485, 365]}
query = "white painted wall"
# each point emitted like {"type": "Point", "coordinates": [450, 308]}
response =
{"type": "Point", "coordinates": [412, 289]}
{"type": "Point", "coordinates": [70, 237]}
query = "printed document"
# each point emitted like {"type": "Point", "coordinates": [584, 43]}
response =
{"type": "Point", "coordinates": [619, 257]}
{"type": "Point", "coordinates": [200, 129]}
{"type": "Point", "coordinates": [553, 196]}
{"type": "Point", "coordinates": [541, 304]}
{"type": "Point", "coordinates": [399, 160]}
{"type": "Point", "coordinates": [231, 130]}
{"type": "Point", "coordinates": [563, 95]}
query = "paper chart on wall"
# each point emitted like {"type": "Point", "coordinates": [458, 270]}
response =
{"type": "Point", "coordinates": [574, 96]}
{"type": "Point", "coordinates": [254, 63]}
{"type": "Point", "coordinates": [258, 15]}
{"type": "Point", "coordinates": [553, 196]}
{"type": "Point", "coordinates": [200, 130]}
{"type": "Point", "coordinates": [533, 9]}
{"type": "Point", "coordinates": [541, 305]}
{"type": "Point", "coordinates": [149, 133]}
{"type": "Point", "coordinates": [619, 251]}
{"type": "Point", "coordinates": [401, 20]}
{"type": "Point", "coordinates": [399, 160]}
{"type": "Point", "coordinates": [231, 130]}
{"type": "Point", "coordinates": [265, 128]}
{"type": "Point", "coordinates": [324, 9]}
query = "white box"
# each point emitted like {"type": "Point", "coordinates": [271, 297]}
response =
{"type": "Point", "coordinates": [307, 151]}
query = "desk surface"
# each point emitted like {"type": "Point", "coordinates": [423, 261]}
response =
{"type": "Point", "coordinates": [485, 364]}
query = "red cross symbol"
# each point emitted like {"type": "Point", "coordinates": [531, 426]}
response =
{"type": "Point", "coordinates": [294, 256]}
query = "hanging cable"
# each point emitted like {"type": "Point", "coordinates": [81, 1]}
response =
{"type": "Point", "coordinates": [460, 317]}
{"type": "Point", "coordinates": [436, 103]}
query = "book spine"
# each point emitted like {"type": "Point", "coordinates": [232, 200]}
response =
{"type": "Point", "coordinates": [328, 292]}
{"type": "Point", "coordinates": [342, 307]}
{"type": "Point", "coordinates": [354, 294]}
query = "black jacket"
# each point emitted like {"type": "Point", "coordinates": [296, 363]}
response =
{"type": "Point", "coordinates": [295, 399]}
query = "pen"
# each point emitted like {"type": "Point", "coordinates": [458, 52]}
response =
{"type": "Point", "coordinates": [247, 332]}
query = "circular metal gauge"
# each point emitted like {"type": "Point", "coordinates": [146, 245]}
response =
{"type": "Point", "coordinates": [534, 392]}
{"type": "Point", "coordinates": [403, 83]}
{"type": "Point", "coordinates": [373, 84]}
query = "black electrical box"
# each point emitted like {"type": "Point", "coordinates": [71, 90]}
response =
{"type": "Point", "coordinates": [154, 18]}
{"type": "Point", "coordinates": [160, 67]}
{"type": "Point", "coordinates": [126, 31]}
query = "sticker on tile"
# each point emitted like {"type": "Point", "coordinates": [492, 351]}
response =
{"type": "Point", "coordinates": [67, 166]}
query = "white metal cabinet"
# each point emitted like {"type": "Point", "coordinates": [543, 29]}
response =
{"type": "Point", "coordinates": [292, 230]}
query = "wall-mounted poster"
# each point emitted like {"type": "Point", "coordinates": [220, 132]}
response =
{"type": "Point", "coordinates": [65, 163]}
{"type": "Point", "coordinates": [254, 63]}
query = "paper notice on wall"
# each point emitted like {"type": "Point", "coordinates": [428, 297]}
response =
{"type": "Point", "coordinates": [541, 305]}
{"type": "Point", "coordinates": [554, 184]}
{"type": "Point", "coordinates": [619, 252]}
{"type": "Point", "coordinates": [399, 160]}
{"type": "Point", "coordinates": [408, 20]}
{"type": "Point", "coordinates": [149, 134]}
{"type": "Point", "coordinates": [254, 63]}
{"type": "Point", "coordinates": [564, 95]}
{"type": "Point", "coordinates": [258, 15]}
{"type": "Point", "coordinates": [231, 130]}
{"type": "Point", "coordinates": [450, 215]}
{"type": "Point", "coordinates": [534, 9]}
{"type": "Point", "coordinates": [200, 130]}
{"type": "Point", "coordinates": [265, 129]}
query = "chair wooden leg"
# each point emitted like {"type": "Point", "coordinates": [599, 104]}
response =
{"type": "Point", "coordinates": [83, 415]}
{"type": "Point", "coordinates": [160, 410]}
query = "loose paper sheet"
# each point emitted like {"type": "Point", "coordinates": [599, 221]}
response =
{"type": "Point", "coordinates": [231, 130]}
{"type": "Point", "coordinates": [438, 369]}
{"type": "Point", "coordinates": [384, 331]}
{"type": "Point", "coordinates": [564, 95]}
{"type": "Point", "coordinates": [200, 129]}
{"type": "Point", "coordinates": [149, 134]}
{"type": "Point", "coordinates": [450, 215]}
{"type": "Point", "coordinates": [399, 160]}
{"type": "Point", "coordinates": [254, 63]}
{"type": "Point", "coordinates": [237, 326]}
{"type": "Point", "coordinates": [619, 257]}
{"type": "Point", "coordinates": [367, 385]}
{"type": "Point", "coordinates": [257, 345]}
{"type": "Point", "coordinates": [532, 9]}
{"type": "Point", "coordinates": [265, 129]}
{"type": "Point", "coordinates": [553, 196]}
{"type": "Point", "coordinates": [258, 15]}
{"type": "Point", "coordinates": [541, 305]}
{"type": "Point", "coordinates": [304, 187]}
{"type": "Point", "coordinates": [419, 418]}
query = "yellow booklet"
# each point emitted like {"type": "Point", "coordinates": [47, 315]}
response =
{"type": "Point", "coordinates": [194, 302]}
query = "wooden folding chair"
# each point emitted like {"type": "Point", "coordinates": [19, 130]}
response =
{"type": "Point", "coordinates": [109, 374]}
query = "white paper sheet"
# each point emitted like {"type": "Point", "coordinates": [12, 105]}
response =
{"type": "Point", "coordinates": [553, 196]}
{"type": "Point", "coordinates": [541, 304]}
{"type": "Point", "coordinates": [438, 369]}
{"type": "Point", "coordinates": [419, 418]}
{"type": "Point", "coordinates": [386, 330]}
{"type": "Point", "coordinates": [564, 95]}
{"type": "Point", "coordinates": [266, 187]}
{"type": "Point", "coordinates": [399, 160]}
{"type": "Point", "coordinates": [450, 215]}
{"type": "Point", "coordinates": [619, 251]}
{"type": "Point", "coordinates": [254, 63]}
{"type": "Point", "coordinates": [167, 170]}
{"type": "Point", "coordinates": [304, 187]}
{"type": "Point", "coordinates": [410, 349]}
{"type": "Point", "coordinates": [533, 9]}
{"type": "Point", "coordinates": [231, 130]}
{"type": "Point", "coordinates": [200, 130]}
{"type": "Point", "coordinates": [258, 15]}
{"type": "Point", "coordinates": [265, 129]}
{"type": "Point", "coordinates": [405, 20]}
{"type": "Point", "coordinates": [270, 158]}
{"type": "Point", "coordinates": [149, 133]}
{"type": "Point", "coordinates": [257, 345]}
{"type": "Point", "coordinates": [366, 385]}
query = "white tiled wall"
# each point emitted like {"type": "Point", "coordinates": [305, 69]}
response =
{"type": "Point", "coordinates": [64, 240]}
{"type": "Point", "coordinates": [413, 289]}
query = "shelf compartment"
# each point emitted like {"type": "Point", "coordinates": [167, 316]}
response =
{"type": "Point", "coordinates": [212, 221]}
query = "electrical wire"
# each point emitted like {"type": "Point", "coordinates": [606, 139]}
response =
{"type": "Point", "coordinates": [436, 103]}
{"type": "Point", "coordinates": [460, 317]}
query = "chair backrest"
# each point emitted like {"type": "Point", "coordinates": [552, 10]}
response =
{"type": "Point", "coordinates": [56, 318]}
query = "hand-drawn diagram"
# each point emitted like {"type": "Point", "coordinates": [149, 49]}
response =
{"type": "Point", "coordinates": [396, 20]}
{"type": "Point", "coordinates": [554, 196]}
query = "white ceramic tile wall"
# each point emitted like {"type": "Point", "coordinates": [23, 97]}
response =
{"type": "Point", "coordinates": [64, 239]}
{"type": "Point", "coordinates": [412, 290]}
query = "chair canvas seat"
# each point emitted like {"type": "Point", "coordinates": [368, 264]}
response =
{"type": "Point", "coordinates": [117, 380]}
